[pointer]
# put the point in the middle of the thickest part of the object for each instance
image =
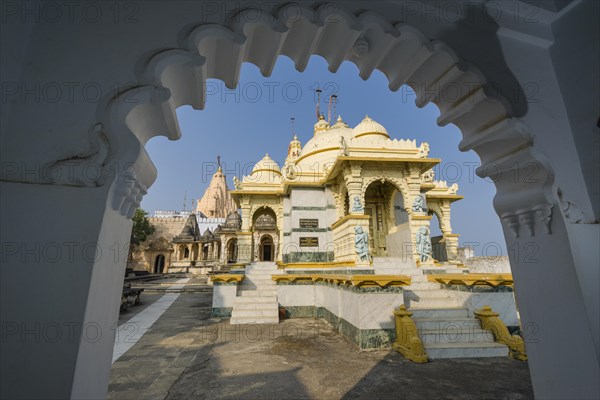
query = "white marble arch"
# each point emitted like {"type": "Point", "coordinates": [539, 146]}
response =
{"type": "Point", "coordinates": [527, 104]}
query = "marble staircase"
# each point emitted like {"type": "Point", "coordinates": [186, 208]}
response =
{"type": "Point", "coordinates": [446, 329]}
{"type": "Point", "coordinates": [256, 300]}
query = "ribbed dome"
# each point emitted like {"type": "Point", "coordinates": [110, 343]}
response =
{"type": "Point", "coordinates": [266, 164]}
{"type": "Point", "coordinates": [369, 126]}
{"type": "Point", "coordinates": [329, 138]}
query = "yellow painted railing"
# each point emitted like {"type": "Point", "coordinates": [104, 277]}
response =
{"type": "Point", "coordinates": [227, 278]}
{"type": "Point", "coordinates": [489, 321]}
{"type": "Point", "coordinates": [493, 280]}
{"type": "Point", "coordinates": [407, 340]}
{"type": "Point", "coordinates": [349, 280]}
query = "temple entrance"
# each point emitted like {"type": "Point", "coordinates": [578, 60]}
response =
{"type": "Point", "coordinates": [378, 197]}
{"type": "Point", "coordinates": [232, 251]}
{"type": "Point", "coordinates": [159, 264]}
{"type": "Point", "coordinates": [266, 249]}
{"type": "Point", "coordinates": [266, 235]}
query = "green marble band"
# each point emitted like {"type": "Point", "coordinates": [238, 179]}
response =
{"type": "Point", "coordinates": [221, 312]}
{"type": "Point", "coordinates": [363, 338]}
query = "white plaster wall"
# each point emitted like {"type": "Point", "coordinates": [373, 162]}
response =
{"type": "Point", "coordinates": [496, 265]}
{"type": "Point", "coordinates": [376, 310]}
{"type": "Point", "coordinates": [363, 310]}
{"type": "Point", "coordinates": [296, 295]}
{"type": "Point", "coordinates": [224, 295]}
{"type": "Point", "coordinates": [501, 302]}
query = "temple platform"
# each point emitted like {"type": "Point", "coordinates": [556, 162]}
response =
{"type": "Point", "coordinates": [188, 354]}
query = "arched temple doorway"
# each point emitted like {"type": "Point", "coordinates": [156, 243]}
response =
{"type": "Point", "coordinates": [232, 251]}
{"type": "Point", "coordinates": [265, 235]}
{"type": "Point", "coordinates": [159, 264]}
{"type": "Point", "coordinates": [266, 249]}
{"type": "Point", "coordinates": [379, 202]}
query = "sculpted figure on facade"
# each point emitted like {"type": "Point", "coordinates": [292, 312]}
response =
{"type": "Point", "coordinates": [423, 242]}
{"type": "Point", "coordinates": [237, 183]}
{"type": "Point", "coordinates": [343, 147]}
{"type": "Point", "coordinates": [361, 244]}
{"type": "Point", "coordinates": [418, 205]}
{"type": "Point", "coordinates": [423, 150]}
{"type": "Point", "coordinates": [357, 206]}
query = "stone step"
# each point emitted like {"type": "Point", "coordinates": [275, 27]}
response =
{"type": "Point", "coordinates": [258, 305]}
{"type": "Point", "coordinates": [446, 324]}
{"type": "Point", "coordinates": [265, 266]}
{"type": "Point", "coordinates": [260, 271]}
{"type": "Point", "coordinates": [425, 293]}
{"type": "Point", "coordinates": [259, 281]}
{"type": "Point", "coordinates": [256, 275]}
{"type": "Point", "coordinates": [406, 271]}
{"type": "Point", "coordinates": [254, 312]}
{"type": "Point", "coordinates": [419, 278]}
{"type": "Point", "coordinates": [431, 302]}
{"type": "Point", "coordinates": [256, 299]}
{"type": "Point", "coordinates": [258, 293]}
{"type": "Point", "coordinates": [253, 320]}
{"type": "Point", "coordinates": [465, 350]}
{"type": "Point", "coordinates": [440, 312]}
{"type": "Point", "coordinates": [252, 286]}
{"type": "Point", "coordinates": [456, 335]}
{"type": "Point", "coordinates": [422, 285]}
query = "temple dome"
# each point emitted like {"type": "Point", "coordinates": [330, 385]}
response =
{"type": "Point", "coordinates": [325, 146]}
{"type": "Point", "coordinates": [369, 126]}
{"type": "Point", "coordinates": [266, 164]}
{"type": "Point", "coordinates": [265, 171]}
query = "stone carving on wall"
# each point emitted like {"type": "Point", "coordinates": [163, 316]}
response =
{"type": "Point", "coordinates": [572, 213]}
{"type": "Point", "coordinates": [237, 183]}
{"type": "Point", "coordinates": [361, 244]}
{"type": "Point", "coordinates": [428, 176]}
{"type": "Point", "coordinates": [423, 243]}
{"type": "Point", "coordinates": [357, 206]}
{"type": "Point", "coordinates": [527, 219]}
{"type": "Point", "coordinates": [343, 147]}
{"type": "Point", "coordinates": [418, 205]}
{"type": "Point", "coordinates": [289, 172]}
{"type": "Point", "coordinates": [423, 150]}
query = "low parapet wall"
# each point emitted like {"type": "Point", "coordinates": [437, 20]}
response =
{"type": "Point", "coordinates": [363, 315]}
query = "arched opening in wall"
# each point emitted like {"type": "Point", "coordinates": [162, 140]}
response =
{"type": "Point", "coordinates": [186, 252]}
{"type": "Point", "coordinates": [232, 251]}
{"type": "Point", "coordinates": [266, 249]}
{"type": "Point", "coordinates": [253, 107]}
{"type": "Point", "coordinates": [437, 240]}
{"type": "Point", "coordinates": [195, 250]}
{"type": "Point", "coordinates": [205, 252]}
{"type": "Point", "coordinates": [264, 218]}
{"type": "Point", "coordinates": [159, 264]}
{"type": "Point", "coordinates": [379, 197]}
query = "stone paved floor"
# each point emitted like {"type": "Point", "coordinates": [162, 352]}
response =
{"type": "Point", "coordinates": [188, 355]}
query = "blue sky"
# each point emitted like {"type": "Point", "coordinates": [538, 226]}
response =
{"type": "Point", "coordinates": [242, 125]}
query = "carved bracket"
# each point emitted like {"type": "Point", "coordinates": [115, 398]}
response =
{"type": "Point", "coordinates": [527, 219]}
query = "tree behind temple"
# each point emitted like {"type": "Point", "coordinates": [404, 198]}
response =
{"type": "Point", "coordinates": [142, 228]}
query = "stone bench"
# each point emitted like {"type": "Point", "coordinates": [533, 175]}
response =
{"type": "Point", "coordinates": [130, 295]}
